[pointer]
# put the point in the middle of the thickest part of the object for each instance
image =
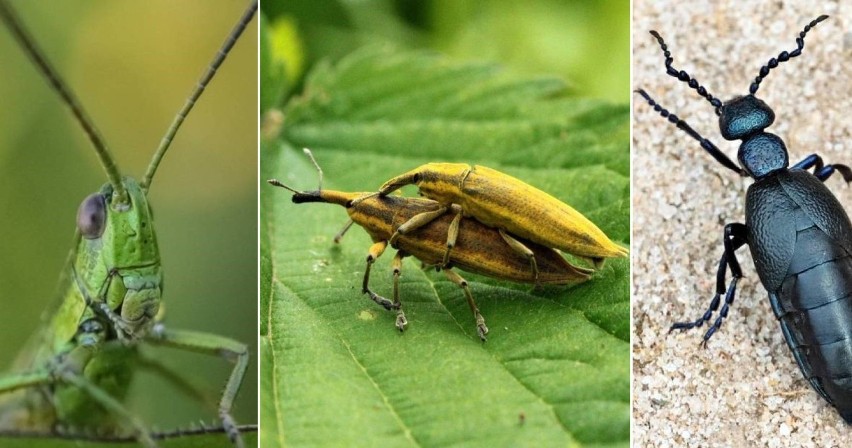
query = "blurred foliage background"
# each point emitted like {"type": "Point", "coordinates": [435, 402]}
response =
{"type": "Point", "coordinates": [585, 42]}
{"type": "Point", "coordinates": [132, 64]}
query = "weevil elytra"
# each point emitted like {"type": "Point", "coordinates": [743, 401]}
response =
{"type": "Point", "coordinates": [479, 249]}
{"type": "Point", "coordinates": [510, 205]}
{"type": "Point", "coordinates": [799, 235]}
{"type": "Point", "coordinates": [76, 369]}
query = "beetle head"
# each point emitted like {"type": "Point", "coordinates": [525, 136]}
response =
{"type": "Point", "coordinates": [744, 116]}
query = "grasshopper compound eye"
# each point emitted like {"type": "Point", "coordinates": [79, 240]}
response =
{"type": "Point", "coordinates": [91, 216]}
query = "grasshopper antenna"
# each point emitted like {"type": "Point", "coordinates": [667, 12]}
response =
{"type": "Point", "coordinates": [196, 93]}
{"type": "Point", "coordinates": [37, 56]}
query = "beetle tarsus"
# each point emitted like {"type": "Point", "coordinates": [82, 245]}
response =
{"type": "Point", "coordinates": [401, 321]}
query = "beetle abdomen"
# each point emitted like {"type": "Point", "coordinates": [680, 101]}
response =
{"type": "Point", "coordinates": [814, 307]}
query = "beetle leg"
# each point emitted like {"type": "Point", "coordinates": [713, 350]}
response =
{"type": "Point", "coordinates": [376, 251]}
{"type": "Point", "coordinates": [707, 145]}
{"type": "Point", "coordinates": [401, 321]}
{"type": "Point", "coordinates": [828, 170]}
{"type": "Point", "coordinates": [481, 329]}
{"type": "Point", "coordinates": [343, 231]}
{"type": "Point", "coordinates": [821, 171]}
{"type": "Point", "coordinates": [452, 234]}
{"type": "Point", "coordinates": [520, 248]}
{"type": "Point", "coordinates": [735, 237]}
{"type": "Point", "coordinates": [417, 221]}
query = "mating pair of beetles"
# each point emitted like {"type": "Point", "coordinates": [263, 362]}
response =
{"type": "Point", "coordinates": [474, 218]}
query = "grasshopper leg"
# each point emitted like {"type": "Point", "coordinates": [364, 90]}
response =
{"type": "Point", "coordinates": [520, 248]}
{"type": "Point", "coordinates": [126, 329]}
{"type": "Point", "coordinates": [109, 403]}
{"type": "Point", "coordinates": [67, 367]}
{"type": "Point", "coordinates": [481, 329]}
{"type": "Point", "coordinates": [416, 222]}
{"type": "Point", "coordinates": [60, 374]}
{"type": "Point", "coordinates": [212, 344]}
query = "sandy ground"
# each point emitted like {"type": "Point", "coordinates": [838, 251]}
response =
{"type": "Point", "coordinates": [744, 389]}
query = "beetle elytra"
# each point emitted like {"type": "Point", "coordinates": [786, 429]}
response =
{"type": "Point", "coordinates": [512, 206]}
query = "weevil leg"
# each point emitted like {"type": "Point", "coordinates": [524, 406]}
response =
{"type": "Point", "coordinates": [525, 251]}
{"type": "Point", "coordinates": [734, 238]}
{"type": "Point", "coordinates": [390, 186]}
{"type": "Point", "coordinates": [376, 251]}
{"type": "Point", "coordinates": [481, 329]}
{"type": "Point", "coordinates": [401, 321]}
{"type": "Point", "coordinates": [707, 145]}
{"type": "Point", "coordinates": [417, 221]}
{"type": "Point", "coordinates": [821, 171]}
{"type": "Point", "coordinates": [343, 231]}
{"type": "Point", "coordinates": [212, 344]}
{"type": "Point", "coordinates": [452, 234]}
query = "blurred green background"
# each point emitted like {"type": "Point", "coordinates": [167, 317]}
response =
{"type": "Point", "coordinates": [132, 64]}
{"type": "Point", "coordinates": [586, 42]}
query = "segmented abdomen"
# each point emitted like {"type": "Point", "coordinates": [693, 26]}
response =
{"type": "Point", "coordinates": [814, 307]}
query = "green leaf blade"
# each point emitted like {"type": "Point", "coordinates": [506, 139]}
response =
{"type": "Point", "coordinates": [555, 370]}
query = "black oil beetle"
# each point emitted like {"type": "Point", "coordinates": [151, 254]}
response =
{"type": "Point", "coordinates": [798, 233]}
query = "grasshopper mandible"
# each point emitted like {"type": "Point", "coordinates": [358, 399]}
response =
{"type": "Point", "coordinates": [479, 249]}
{"type": "Point", "coordinates": [512, 206]}
{"type": "Point", "coordinates": [81, 362]}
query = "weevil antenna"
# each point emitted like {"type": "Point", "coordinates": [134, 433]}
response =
{"type": "Point", "coordinates": [209, 73]}
{"type": "Point", "coordinates": [278, 183]}
{"type": "Point", "coordinates": [32, 50]}
{"type": "Point", "coordinates": [310, 155]}
{"type": "Point", "coordinates": [316, 165]}
{"type": "Point", "coordinates": [785, 56]}
{"type": "Point", "coordinates": [684, 76]}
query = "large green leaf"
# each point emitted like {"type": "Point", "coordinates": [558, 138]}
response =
{"type": "Point", "coordinates": [335, 371]}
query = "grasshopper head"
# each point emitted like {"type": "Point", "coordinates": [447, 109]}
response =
{"type": "Point", "coordinates": [118, 260]}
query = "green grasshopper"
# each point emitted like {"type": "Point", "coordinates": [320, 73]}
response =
{"type": "Point", "coordinates": [80, 364]}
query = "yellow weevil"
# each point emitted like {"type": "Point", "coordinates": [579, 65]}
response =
{"type": "Point", "coordinates": [512, 206]}
{"type": "Point", "coordinates": [478, 248]}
